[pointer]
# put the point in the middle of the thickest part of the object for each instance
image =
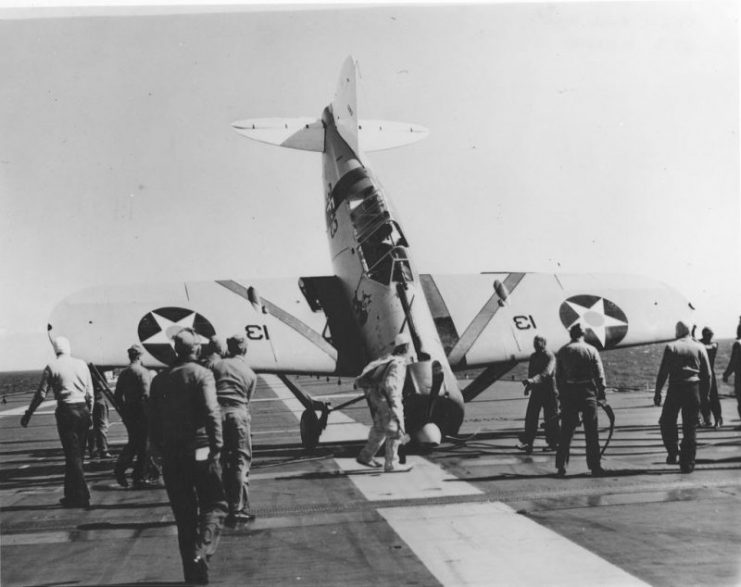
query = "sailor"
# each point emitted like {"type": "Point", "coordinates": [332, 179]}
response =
{"type": "Point", "coordinates": [734, 366]}
{"type": "Point", "coordinates": [541, 386]}
{"type": "Point", "coordinates": [214, 352]}
{"type": "Point", "coordinates": [580, 378]}
{"type": "Point", "coordinates": [235, 386]}
{"type": "Point", "coordinates": [686, 364]}
{"type": "Point", "coordinates": [185, 428]}
{"type": "Point", "coordinates": [382, 381]}
{"type": "Point", "coordinates": [132, 397]}
{"type": "Point", "coordinates": [69, 379]}
{"type": "Point", "coordinates": [711, 402]}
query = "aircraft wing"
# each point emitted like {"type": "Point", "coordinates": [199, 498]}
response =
{"type": "Point", "coordinates": [492, 317]}
{"type": "Point", "coordinates": [306, 325]}
{"type": "Point", "coordinates": [300, 325]}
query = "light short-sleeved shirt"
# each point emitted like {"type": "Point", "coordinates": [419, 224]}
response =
{"type": "Point", "coordinates": [69, 379]}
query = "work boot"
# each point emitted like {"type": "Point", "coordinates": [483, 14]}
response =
{"type": "Point", "coordinates": [144, 484]}
{"type": "Point", "coordinates": [373, 463]}
{"type": "Point", "coordinates": [561, 472]}
{"type": "Point", "coordinates": [687, 467]}
{"type": "Point", "coordinates": [121, 478]}
{"type": "Point", "coordinates": [244, 516]}
{"type": "Point", "coordinates": [671, 459]}
{"type": "Point", "coordinates": [397, 469]}
{"type": "Point", "coordinates": [528, 448]}
{"type": "Point", "coordinates": [598, 472]}
{"type": "Point", "coordinates": [196, 571]}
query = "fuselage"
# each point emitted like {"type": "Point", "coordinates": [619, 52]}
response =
{"type": "Point", "coordinates": [371, 257]}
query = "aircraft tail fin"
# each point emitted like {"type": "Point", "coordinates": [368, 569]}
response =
{"type": "Point", "coordinates": [345, 104]}
{"type": "Point", "coordinates": [307, 134]}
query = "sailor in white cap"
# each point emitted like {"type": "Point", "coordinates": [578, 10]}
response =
{"type": "Point", "coordinates": [72, 385]}
{"type": "Point", "coordinates": [383, 382]}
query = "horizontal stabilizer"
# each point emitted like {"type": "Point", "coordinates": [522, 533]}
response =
{"type": "Point", "coordinates": [307, 134]}
{"type": "Point", "coordinates": [377, 135]}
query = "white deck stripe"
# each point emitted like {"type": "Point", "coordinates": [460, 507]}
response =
{"type": "Point", "coordinates": [46, 407]}
{"type": "Point", "coordinates": [426, 479]}
{"type": "Point", "coordinates": [467, 544]}
{"type": "Point", "coordinates": [490, 544]}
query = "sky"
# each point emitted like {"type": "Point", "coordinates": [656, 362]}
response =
{"type": "Point", "coordinates": [564, 137]}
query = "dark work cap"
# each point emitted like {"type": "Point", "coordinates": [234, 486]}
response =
{"type": "Point", "coordinates": [186, 341]}
{"type": "Point", "coordinates": [237, 344]}
{"type": "Point", "coordinates": [576, 330]}
{"type": "Point", "coordinates": [136, 349]}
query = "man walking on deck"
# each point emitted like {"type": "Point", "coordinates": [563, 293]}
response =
{"type": "Point", "coordinates": [686, 364]}
{"type": "Point", "coordinates": [580, 379]}
{"type": "Point", "coordinates": [70, 381]}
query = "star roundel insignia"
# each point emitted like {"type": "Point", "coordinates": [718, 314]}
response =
{"type": "Point", "coordinates": [604, 323]}
{"type": "Point", "coordinates": [157, 328]}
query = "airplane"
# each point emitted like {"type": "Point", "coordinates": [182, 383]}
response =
{"type": "Point", "coordinates": [336, 324]}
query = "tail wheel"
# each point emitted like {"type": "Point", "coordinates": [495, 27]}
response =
{"type": "Point", "coordinates": [311, 429]}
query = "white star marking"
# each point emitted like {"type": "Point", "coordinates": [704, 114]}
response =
{"type": "Point", "coordinates": [168, 328]}
{"type": "Point", "coordinates": [595, 319]}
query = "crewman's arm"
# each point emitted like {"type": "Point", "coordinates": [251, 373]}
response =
{"type": "Point", "coordinates": [146, 383]}
{"type": "Point", "coordinates": [38, 397]}
{"type": "Point", "coordinates": [560, 375]}
{"type": "Point", "coordinates": [546, 373]}
{"type": "Point", "coordinates": [89, 391]}
{"type": "Point", "coordinates": [704, 372]}
{"type": "Point", "coordinates": [252, 386]}
{"type": "Point", "coordinates": [155, 414]}
{"type": "Point", "coordinates": [734, 362]}
{"type": "Point", "coordinates": [207, 385]}
{"type": "Point", "coordinates": [598, 372]}
{"type": "Point", "coordinates": [661, 377]}
{"type": "Point", "coordinates": [393, 383]}
{"type": "Point", "coordinates": [118, 393]}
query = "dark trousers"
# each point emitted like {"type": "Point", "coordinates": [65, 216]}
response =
{"type": "Point", "coordinates": [98, 436]}
{"type": "Point", "coordinates": [135, 451]}
{"type": "Point", "coordinates": [710, 403]}
{"type": "Point", "coordinates": [541, 398]}
{"type": "Point", "coordinates": [574, 402]}
{"type": "Point", "coordinates": [73, 422]}
{"type": "Point", "coordinates": [684, 398]}
{"type": "Point", "coordinates": [198, 503]}
{"type": "Point", "coordinates": [236, 457]}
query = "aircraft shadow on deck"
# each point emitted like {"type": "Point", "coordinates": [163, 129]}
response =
{"type": "Point", "coordinates": [138, 584]}
{"type": "Point", "coordinates": [125, 525]}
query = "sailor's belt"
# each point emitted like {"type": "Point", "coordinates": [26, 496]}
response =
{"type": "Point", "coordinates": [579, 381]}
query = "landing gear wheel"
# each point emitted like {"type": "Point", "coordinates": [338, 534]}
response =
{"type": "Point", "coordinates": [311, 429]}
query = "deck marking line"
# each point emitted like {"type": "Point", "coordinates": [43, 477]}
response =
{"type": "Point", "coordinates": [426, 479]}
{"type": "Point", "coordinates": [466, 544]}
{"type": "Point", "coordinates": [44, 408]}
{"type": "Point", "coordinates": [490, 544]}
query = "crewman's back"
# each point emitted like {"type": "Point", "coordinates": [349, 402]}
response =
{"type": "Point", "coordinates": [235, 381]}
{"type": "Point", "coordinates": [183, 408]}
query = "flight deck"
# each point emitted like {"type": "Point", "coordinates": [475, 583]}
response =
{"type": "Point", "coordinates": [476, 511]}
